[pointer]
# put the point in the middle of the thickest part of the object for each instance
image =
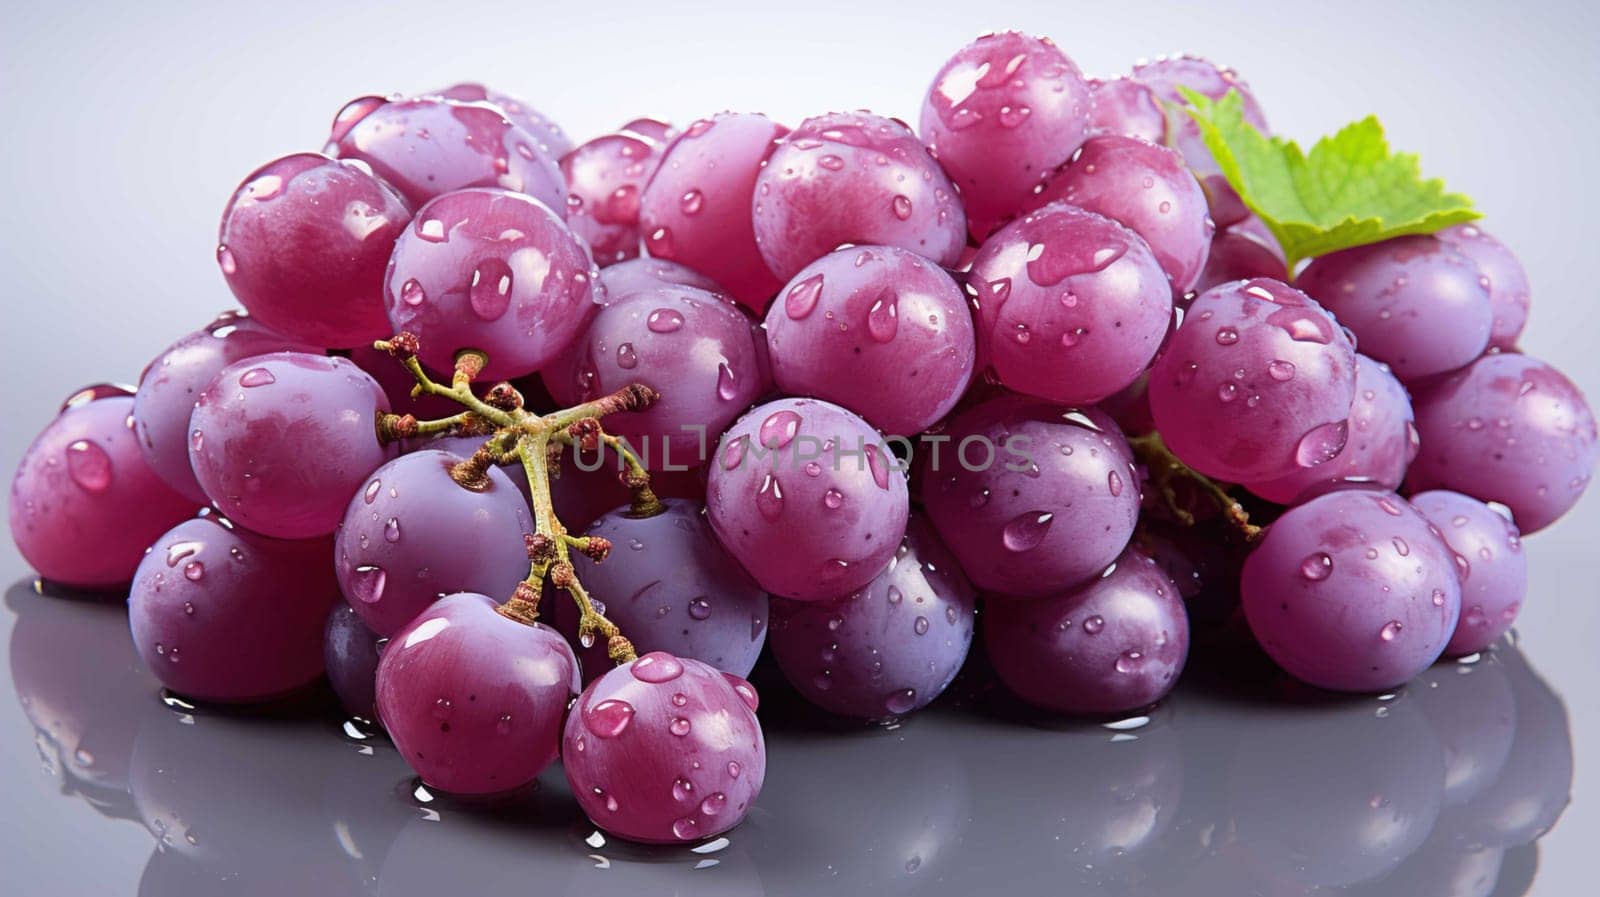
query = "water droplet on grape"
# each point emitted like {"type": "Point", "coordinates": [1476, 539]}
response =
{"type": "Point", "coordinates": [1094, 624]}
{"type": "Point", "coordinates": [1390, 630]}
{"type": "Point", "coordinates": [1026, 530]}
{"type": "Point", "coordinates": [664, 320]}
{"type": "Point", "coordinates": [89, 466]}
{"type": "Point", "coordinates": [1316, 567]}
{"type": "Point", "coordinates": [1322, 443]}
{"type": "Point", "coordinates": [609, 718]}
{"type": "Point", "coordinates": [627, 358]}
{"type": "Point", "coordinates": [257, 377]}
{"type": "Point", "coordinates": [367, 581]}
{"type": "Point", "coordinates": [679, 726]}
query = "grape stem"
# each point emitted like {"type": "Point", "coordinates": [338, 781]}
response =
{"type": "Point", "coordinates": [517, 434]}
{"type": "Point", "coordinates": [1166, 472]}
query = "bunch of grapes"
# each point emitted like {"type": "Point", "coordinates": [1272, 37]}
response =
{"type": "Point", "coordinates": [530, 448]}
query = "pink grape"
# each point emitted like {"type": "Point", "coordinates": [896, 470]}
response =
{"type": "Point", "coordinates": [1257, 382]}
{"type": "Point", "coordinates": [703, 353]}
{"type": "Point", "coordinates": [491, 270]}
{"type": "Point", "coordinates": [604, 178]}
{"type": "Point", "coordinates": [1489, 557]}
{"type": "Point", "coordinates": [173, 380]}
{"type": "Point", "coordinates": [1111, 645]}
{"type": "Point", "coordinates": [547, 135]}
{"type": "Point", "coordinates": [669, 586]}
{"type": "Point", "coordinates": [1032, 498]}
{"type": "Point", "coordinates": [1414, 303]}
{"type": "Point", "coordinates": [411, 534]}
{"type": "Point", "coordinates": [889, 648]}
{"type": "Point", "coordinates": [1146, 188]}
{"type": "Point", "coordinates": [1511, 429]}
{"type": "Point", "coordinates": [805, 496]}
{"type": "Point", "coordinates": [1164, 76]}
{"type": "Point", "coordinates": [877, 329]}
{"type": "Point", "coordinates": [696, 209]}
{"type": "Point", "coordinates": [1001, 114]}
{"type": "Point", "coordinates": [665, 750]}
{"type": "Point", "coordinates": [429, 146]}
{"type": "Point", "coordinates": [1352, 591]}
{"type": "Point", "coordinates": [85, 503]}
{"type": "Point", "coordinates": [280, 442]}
{"type": "Point", "coordinates": [303, 244]}
{"type": "Point", "coordinates": [474, 700]}
{"type": "Point", "coordinates": [854, 177]}
{"type": "Point", "coordinates": [1072, 306]}
{"type": "Point", "coordinates": [1127, 107]}
{"type": "Point", "coordinates": [1241, 252]}
{"type": "Point", "coordinates": [220, 613]}
{"type": "Point", "coordinates": [640, 274]}
{"type": "Point", "coordinates": [1508, 282]}
{"type": "Point", "coordinates": [1381, 443]}
{"type": "Point", "coordinates": [350, 654]}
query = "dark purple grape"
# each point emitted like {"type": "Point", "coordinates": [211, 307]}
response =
{"type": "Point", "coordinates": [696, 209]}
{"type": "Point", "coordinates": [1508, 283]}
{"type": "Point", "coordinates": [280, 442]}
{"type": "Point", "coordinates": [665, 750]}
{"type": "Point", "coordinates": [1257, 382]}
{"type": "Point", "coordinates": [350, 654]}
{"type": "Point", "coordinates": [474, 700]}
{"type": "Point", "coordinates": [1242, 252]}
{"type": "Point", "coordinates": [428, 146]}
{"type": "Point", "coordinates": [582, 494]}
{"type": "Point", "coordinates": [877, 329]}
{"type": "Point", "coordinates": [172, 382]}
{"type": "Point", "coordinates": [1033, 498]}
{"type": "Point", "coordinates": [1352, 591]}
{"type": "Point", "coordinates": [547, 135]}
{"type": "Point", "coordinates": [85, 503]}
{"type": "Point", "coordinates": [1001, 114]}
{"type": "Point", "coordinates": [669, 586]}
{"type": "Point", "coordinates": [1490, 560]}
{"type": "Point", "coordinates": [1111, 645]}
{"type": "Point", "coordinates": [604, 178]}
{"type": "Point", "coordinates": [220, 613]}
{"type": "Point", "coordinates": [490, 270]}
{"type": "Point", "coordinates": [854, 177]}
{"type": "Point", "coordinates": [303, 245]}
{"type": "Point", "coordinates": [1414, 303]}
{"type": "Point", "coordinates": [412, 533]}
{"type": "Point", "coordinates": [702, 352]}
{"type": "Point", "coordinates": [888, 648]}
{"type": "Point", "coordinates": [1510, 429]}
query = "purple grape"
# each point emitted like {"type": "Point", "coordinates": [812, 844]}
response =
{"type": "Point", "coordinates": [1127, 107]}
{"type": "Point", "coordinates": [1257, 382]}
{"type": "Point", "coordinates": [1489, 557]}
{"type": "Point", "coordinates": [1508, 283]}
{"type": "Point", "coordinates": [879, 330]}
{"type": "Point", "coordinates": [1071, 305]}
{"type": "Point", "coordinates": [582, 494]}
{"type": "Point", "coordinates": [1510, 429]}
{"type": "Point", "coordinates": [491, 270]}
{"type": "Point", "coordinates": [1111, 645]}
{"type": "Point", "coordinates": [220, 613]}
{"type": "Point", "coordinates": [806, 497]}
{"type": "Point", "coordinates": [1352, 591]}
{"type": "Point", "coordinates": [280, 442]}
{"type": "Point", "coordinates": [669, 586]}
{"type": "Point", "coordinates": [854, 177]}
{"type": "Point", "coordinates": [641, 274]}
{"type": "Point", "coordinates": [303, 244]}
{"type": "Point", "coordinates": [350, 653]}
{"type": "Point", "coordinates": [1204, 568]}
{"type": "Point", "coordinates": [1414, 303]}
{"type": "Point", "coordinates": [696, 208]}
{"type": "Point", "coordinates": [428, 146]}
{"type": "Point", "coordinates": [412, 533]}
{"type": "Point", "coordinates": [171, 383]}
{"type": "Point", "coordinates": [1001, 114]}
{"type": "Point", "coordinates": [85, 503]}
{"type": "Point", "coordinates": [1032, 498]}
{"type": "Point", "coordinates": [665, 750]}
{"type": "Point", "coordinates": [1163, 76]}
{"type": "Point", "coordinates": [888, 648]}
{"type": "Point", "coordinates": [465, 446]}
{"type": "Point", "coordinates": [547, 135]}
{"type": "Point", "coordinates": [1381, 443]}
{"type": "Point", "coordinates": [700, 351]}
{"type": "Point", "coordinates": [1242, 252]}
{"type": "Point", "coordinates": [604, 178]}
{"type": "Point", "coordinates": [474, 700]}
{"type": "Point", "coordinates": [1146, 188]}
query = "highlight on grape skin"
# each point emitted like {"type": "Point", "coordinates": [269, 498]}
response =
{"type": "Point", "coordinates": [529, 446]}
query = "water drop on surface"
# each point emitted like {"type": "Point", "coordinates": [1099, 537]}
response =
{"type": "Point", "coordinates": [664, 320]}
{"type": "Point", "coordinates": [769, 500]}
{"type": "Point", "coordinates": [627, 358]}
{"type": "Point", "coordinates": [1390, 630]}
{"type": "Point", "coordinates": [779, 429]}
{"type": "Point", "coordinates": [900, 700]}
{"type": "Point", "coordinates": [194, 571]}
{"type": "Point", "coordinates": [411, 293]}
{"type": "Point", "coordinates": [609, 718]}
{"type": "Point", "coordinates": [901, 206]}
{"type": "Point", "coordinates": [371, 495]}
{"type": "Point", "coordinates": [89, 466]}
{"type": "Point", "coordinates": [1316, 567]}
{"type": "Point", "coordinates": [1129, 661]}
{"type": "Point", "coordinates": [391, 530]}
{"type": "Point", "coordinates": [1322, 443]}
{"type": "Point", "coordinates": [699, 608]}
{"type": "Point", "coordinates": [367, 581]}
{"type": "Point", "coordinates": [833, 499]}
{"type": "Point", "coordinates": [692, 202]}
{"type": "Point", "coordinates": [1094, 624]}
{"type": "Point", "coordinates": [1026, 530]}
{"type": "Point", "coordinates": [679, 726]}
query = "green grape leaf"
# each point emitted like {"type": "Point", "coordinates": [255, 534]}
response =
{"type": "Point", "coordinates": [1350, 190]}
